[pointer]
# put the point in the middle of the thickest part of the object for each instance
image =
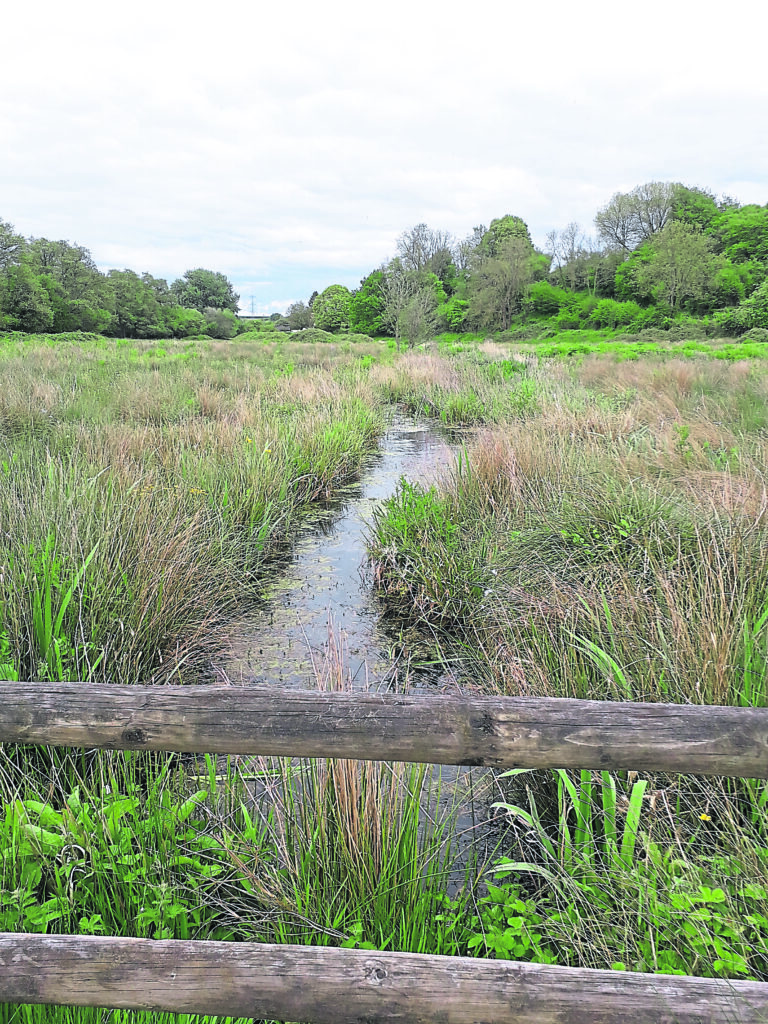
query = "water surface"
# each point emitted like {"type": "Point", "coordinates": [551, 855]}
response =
{"type": "Point", "coordinates": [326, 583]}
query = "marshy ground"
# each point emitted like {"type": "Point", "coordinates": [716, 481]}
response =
{"type": "Point", "coordinates": [599, 532]}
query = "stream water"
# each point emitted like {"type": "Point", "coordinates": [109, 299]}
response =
{"type": "Point", "coordinates": [326, 587]}
{"type": "Point", "coordinates": [322, 603]}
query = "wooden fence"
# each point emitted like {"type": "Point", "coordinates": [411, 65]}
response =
{"type": "Point", "coordinates": [321, 984]}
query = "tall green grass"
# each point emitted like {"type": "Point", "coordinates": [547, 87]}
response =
{"type": "Point", "coordinates": [147, 498]}
{"type": "Point", "coordinates": [608, 543]}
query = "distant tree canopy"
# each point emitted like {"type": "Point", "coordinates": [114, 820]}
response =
{"type": "Point", "coordinates": [205, 289]}
{"type": "Point", "coordinates": [53, 285]}
{"type": "Point", "coordinates": [662, 250]}
{"type": "Point", "coordinates": [331, 308]}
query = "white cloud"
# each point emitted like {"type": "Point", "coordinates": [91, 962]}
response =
{"type": "Point", "coordinates": [293, 144]}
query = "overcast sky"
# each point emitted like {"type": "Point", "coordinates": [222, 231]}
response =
{"type": "Point", "coordinates": [288, 144]}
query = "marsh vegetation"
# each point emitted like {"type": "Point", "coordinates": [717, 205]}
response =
{"type": "Point", "coordinates": [601, 533]}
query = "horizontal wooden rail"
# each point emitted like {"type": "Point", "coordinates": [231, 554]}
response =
{"type": "Point", "coordinates": [325, 985]}
{"type": "Point", "coordinates": [501, 732]}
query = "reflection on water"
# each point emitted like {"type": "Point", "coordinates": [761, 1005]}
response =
{"type": "Point", "coordinates": [325, 582]}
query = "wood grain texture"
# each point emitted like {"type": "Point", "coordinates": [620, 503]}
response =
{"type": "Point", "coordinates": [320, 985]}
{"type": "Point", "coordinates": [501, 732]}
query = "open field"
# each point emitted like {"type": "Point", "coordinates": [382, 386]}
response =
{"type": "Point", "coordinates": [601, 535]}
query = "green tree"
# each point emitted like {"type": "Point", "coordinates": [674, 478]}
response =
{"type": "Point", "coordinates": [72, 266]}
{"type": "Point", "coordinates": [331, 308]}
{"type": "Point", "coordinates": [184, 323]}
{"type": "Point", "coordinates": [398, 288]}
{"type": "Point", "coordinates": [498, 284]}
{"type": "Point", "coordinates": [298, 316]}
{"type": "Point", "coordinates": [137, 313]}
{"type": "Point", "coordinates": [695, 206]}
{"type": "Point", "coordinates": [205, 289]}
{"type": "Point", "coordinates": [367, 305]}
{"type": "Point", "coordinates": [680, 268]}
{"type": "Point", "coordinates": [501, 231]}
{"type": "Point", "coordinates": [24, 302]}
{"type": "Point", "coordinates": [743, 233]}
{"type": "Point", "coordinates": [12, 246]}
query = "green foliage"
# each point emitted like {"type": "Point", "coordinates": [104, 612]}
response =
{"type": "Point", "coordinates": [454, 312]}
{"type": "Point", "coordinates": [500, 232]}
{"type": "Point", "coordinates": [611, 314]}
{"type": "Point", "coordinates": [331, 309]}
{"type": "Point", "coordinates": [657, 904]}
{"type": "Point", "coordinates": [743, 233]}
{"type": "Point", "coordinates": [202, 289]}
{"type": "Point", "coordinates": [51, 595]}
{"type": "Point", "coordinates": [366, 307]}
{"type": "Point", "coordinates": [750, 314]}
{"type": "Point", "coordinates": [137, 310]}
{"type": "Point", "coordinates": [220, 323]}
{"type": "Point", "coordinates": [680, 268]}
{"type": "Point", "coordinates": [24, 302]}
{"type": "Point", "coordinates": [499, 283]}
{"type": "Point", "coordinates": [544, 299]}
{"type": "Point", "coordinates": [694, 206]}
{"type": "Point", "coordinates": [185, 323]}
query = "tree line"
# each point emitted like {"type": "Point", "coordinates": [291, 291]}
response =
{"type": "Point", "coordinates": [662, 252]}
{"type": "Point", "coordinates": [54, 286]}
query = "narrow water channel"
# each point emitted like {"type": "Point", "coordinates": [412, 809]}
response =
{"type": "Point", "coordinates": [325, 586]}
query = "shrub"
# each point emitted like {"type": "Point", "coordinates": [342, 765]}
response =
{"type": "Point", "coordinates": [751, 313]}
{"type": "Point", "coordinates": [544, 299]}
{"type": "Point", "coordinates": [611, 314]}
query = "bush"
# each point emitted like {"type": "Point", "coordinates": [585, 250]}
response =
{"type": "Point", "coordinates": [220, 323]}
{"type": "Point", "coordinates": [314, 334]}
{"type": "Point", "coordinates": [567, 320]}
{"type": "Point", "coordinates": [611, 314]}
{"type": "Point", "coordinates": [751, 313]}
{"type": "Point", "coordinates": [544, 299]}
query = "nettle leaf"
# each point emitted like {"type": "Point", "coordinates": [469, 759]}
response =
{"type": "Point", "coordinates": [708, 895]}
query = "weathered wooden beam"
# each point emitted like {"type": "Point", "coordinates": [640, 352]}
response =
{"type": "Point", "coordinates": [502, 732]}
{"type": "Point", "coordinates": [322, 985]}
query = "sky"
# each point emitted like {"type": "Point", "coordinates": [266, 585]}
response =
{"type": "Point", "coordinates": [287, 145]}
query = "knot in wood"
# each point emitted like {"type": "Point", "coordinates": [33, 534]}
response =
{"type": "Point", "coordinates": [375, 973]}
